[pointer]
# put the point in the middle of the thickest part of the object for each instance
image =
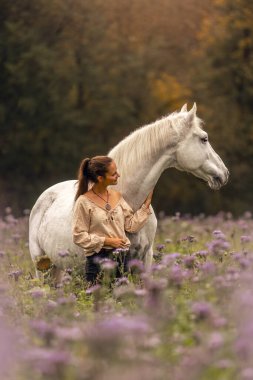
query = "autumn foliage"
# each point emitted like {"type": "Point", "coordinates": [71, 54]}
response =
{"type": "Point", "coordinates": [78, 76]}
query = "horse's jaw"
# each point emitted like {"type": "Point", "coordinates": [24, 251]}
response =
{"type": "Point", "coordinates": [214, 179]}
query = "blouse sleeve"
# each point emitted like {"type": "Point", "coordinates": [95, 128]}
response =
{"type": "Point", "coordinates": [134, 221]}
{"type": "Point", "coordinates": [80, 229]}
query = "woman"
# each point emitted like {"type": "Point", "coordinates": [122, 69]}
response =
{"type": "Point", "coordinates": [101, 215]}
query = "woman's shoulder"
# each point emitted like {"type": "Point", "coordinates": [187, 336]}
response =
{"type": "Point", "coordinates": [89, 195]}
{"type": "Point", "coordinates": [82, 201]}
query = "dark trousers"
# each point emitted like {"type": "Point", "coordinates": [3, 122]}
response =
{"type": "Point", "coordinates": [93, 271]}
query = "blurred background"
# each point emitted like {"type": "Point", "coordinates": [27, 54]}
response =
{"type": "Point", "coordinates": [77, 76]}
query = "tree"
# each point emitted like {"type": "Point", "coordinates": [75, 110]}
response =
{"type": "Point", "coordinates": [224, 87]}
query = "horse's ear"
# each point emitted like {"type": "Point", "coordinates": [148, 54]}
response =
{"type": "Point", "coordinates": [192, 113]}
{"type": "Point", "coordinates": [184, 108]}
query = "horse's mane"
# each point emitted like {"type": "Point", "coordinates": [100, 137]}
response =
{"type": "Point", "coordinates": [145, 142]}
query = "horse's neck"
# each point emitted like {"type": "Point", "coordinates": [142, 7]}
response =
{"type": "Point", "coordinates": [141, 179]}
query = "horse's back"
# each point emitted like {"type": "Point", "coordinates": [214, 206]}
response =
{"type": "Point", "coordinates": [50, 218]}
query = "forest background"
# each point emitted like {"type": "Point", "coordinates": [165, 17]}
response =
{"type": "Point", "coordinates": [77, 76]}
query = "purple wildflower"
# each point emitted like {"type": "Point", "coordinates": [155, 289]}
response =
{"type": "Point", "coordinates": [48, 361]}
{"type": "Point", "coordinates": [124, 325]}
{"type": "Point", "coordinates": [63, 254]}
{"type": "Point", "coordinates": [108, 264]}
{"type": "Point", "coordinates": [176, 217]}
{"type": "Point", "coordinates": [123, 291]}
{"type": "Point", "coordinates": [16, 237]}
{"type": "Point", "coordinates": [69, 333]}
{"type": "Point", "coordinates": [136, 265]}
{"type": "Point", "coordinates": [140, 292]}
{"type": "Point", "coordinates": [11, 220]}
{"type": "Point", "coordinates": [247, 215]}
{"type": "Point", "coordinates": [51, 305]}
{"type": "Point", "coordinates": [106, 336]}
{"type": "Point", "coordinates": [244, 263]}
{"type": "Point", "coordinates": [245, 239]}
{"type": "Point", "coordinates": [229, 215]}
{"type": "Point", "coordinates": [8, 210]}
{"type": "Point", "coordinates": [189, 261]}
{"type": "Point", "coordinates": [66, 278]}
{"type": "Point", "coordinates": [3, 288]}
{"type": "Point", "coordinates": [219, 234]}
{"type": "Point", "coordinates": [43, 329]}
{"type": "Point", "coordinates": [243, 347]}
{"type": "Point", "coordinates": [237, 256]}
{"type": "Point", "coordinates": [122, 281]}
{"type": "Point", "coordinates": [225, 363]}
{"type": "Point", "coordinates": [202, 253]}
{"type": "Point", "coordinates": [93, 289]}
{"type": "Point", "coordinates": [66, 300]}
{"type": "Point", "coordinates": [15, 274]}
{"type": "Point", "coordinates": [118, 251]}
{"type": "Point", "coordinates": [176, 276]}
{"type": "Point", "coordinates": [37, 292]}
{"type": "Point", "coordinates": [160, 247]}
{"type": "Point", "coordinates": [217, 247]}
{"type": "Point", "coordinates": [157, 267]}
{"type": "Point", "coordinates": [189, 238]}
{"type": "Point", "coordinates": [170, 258]}
{"type": "Point", "coordinates": [220, 281]}
{"type": "Point", "coordinates": [8, 349]}
{"type": "Point", "coordinates": [154, 289]}
{"type": "Point", "coordinates": [208, 267]}
{"type": "Point", "coordinates": [243, 225]}
{"type": "Point", "coordinates": [219, 321]}
{"type": "Point", "coordinates": [247, 374]}
{"type": "Point", "coordinates": [201, 310]}
{"type": "Point", "coordinates": [215, 341]}
{"type": "Point", "coordinates": [232, 274]}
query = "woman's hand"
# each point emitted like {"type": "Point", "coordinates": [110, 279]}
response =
{"type": "Point", "coordinates": [148, 199]}
{"type": "Point", "coordinates": [115, 242]}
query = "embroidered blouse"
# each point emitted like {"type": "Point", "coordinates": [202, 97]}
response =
{"type": "Point", "coordinates": [91, 223]}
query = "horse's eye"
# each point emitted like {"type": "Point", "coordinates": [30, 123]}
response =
{"type": "Point", "coordinates": [204, 139]}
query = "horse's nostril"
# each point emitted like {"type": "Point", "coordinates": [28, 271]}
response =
{"type": "Point", "coordinates": [217, 179]}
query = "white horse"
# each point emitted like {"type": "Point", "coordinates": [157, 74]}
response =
{"type": "Point", "coordinates": [177, 140]}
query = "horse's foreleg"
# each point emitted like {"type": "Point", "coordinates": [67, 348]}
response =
{"type": "Point", "coordinates": [142, 242]}
{"type": "Point", "coordinates": [57, 276]}
{"type": "Point", "coordinates": [148, 259]}
{"type": "Point", "coordinates": [148, 235]}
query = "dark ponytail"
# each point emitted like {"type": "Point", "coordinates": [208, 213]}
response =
{"type": "Point", "coordinates": [89, 170]}
{"type": "Point", "coordinates": [83, 179]}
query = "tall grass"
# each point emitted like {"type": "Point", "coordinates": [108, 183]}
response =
{"type": "Point", "coordinates": [189, 318]}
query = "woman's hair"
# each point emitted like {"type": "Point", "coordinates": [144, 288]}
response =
{"type": "Point", "coordinates": [89, 170]}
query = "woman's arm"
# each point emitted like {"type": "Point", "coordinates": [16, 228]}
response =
{"type": "Point", "coordinates": [148, 200]}
{"type": "Point", "coordinates": [115, 242]}
{"type": "Point", "coordinates": [134, 221]}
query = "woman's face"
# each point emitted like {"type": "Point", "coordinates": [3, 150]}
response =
{"type": "Point", "coordinates": [111, 177]}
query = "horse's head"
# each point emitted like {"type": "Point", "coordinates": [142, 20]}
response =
{"type": "Point", "coordinates": [196, 155]}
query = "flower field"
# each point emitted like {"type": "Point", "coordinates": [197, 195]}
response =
{"type": "Point", "coordinates": [190, 318]}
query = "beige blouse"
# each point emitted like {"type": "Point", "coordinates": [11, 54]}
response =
{"type": "Point", "coordinates": [92, 224]}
